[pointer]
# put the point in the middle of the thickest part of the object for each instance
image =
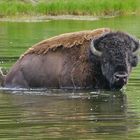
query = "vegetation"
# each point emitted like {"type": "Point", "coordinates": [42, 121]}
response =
{"type": "Point", "coordinates": [68, 7]}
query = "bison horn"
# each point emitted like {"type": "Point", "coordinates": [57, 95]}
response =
{"type": "Point", "coordinates": [93, 50]}
{"type": "Point", "coordinates": [137, 50]}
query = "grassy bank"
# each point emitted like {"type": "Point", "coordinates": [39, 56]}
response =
{"type": "Point", "coordinates": [68, 7]}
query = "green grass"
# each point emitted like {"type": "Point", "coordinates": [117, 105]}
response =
{"type": "Point", "coordinates": [69, 7]}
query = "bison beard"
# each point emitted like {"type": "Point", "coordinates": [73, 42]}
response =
{"type": "Point", "coordinates": [89, 59]}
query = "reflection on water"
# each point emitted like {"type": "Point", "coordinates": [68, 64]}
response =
{"type": "Point", "coordinates": [66, 114]}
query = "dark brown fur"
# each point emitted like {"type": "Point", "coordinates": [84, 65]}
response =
{"type": "Point", "coordinates": [61, 61]}
{"type": "Point", "coordinates": [100, 58]}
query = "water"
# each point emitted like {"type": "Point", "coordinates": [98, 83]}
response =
{"type": "Point", "coordinates": [66, 114]}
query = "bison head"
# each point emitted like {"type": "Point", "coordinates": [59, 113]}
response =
{"type": "Point", "coordinates": [117, 53]}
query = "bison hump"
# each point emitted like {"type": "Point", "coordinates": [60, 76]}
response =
{"type": "Point", "coordinates": [66, 40]}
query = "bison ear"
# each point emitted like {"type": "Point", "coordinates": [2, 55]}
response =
{"type": "Point", "coordinates": [134, 61]}
{"type": "Point", "coordinates": [136, 48]}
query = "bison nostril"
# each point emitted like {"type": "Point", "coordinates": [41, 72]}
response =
{"type": "Point", "coordinates": [120, 77]}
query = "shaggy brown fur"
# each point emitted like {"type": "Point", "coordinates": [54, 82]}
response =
{"type": "Point", "coordinates": [67, 40]}
{"type": "Point", "coordinates": [62, 60]}
{"type": "Point", "coordinates": [68, 61]}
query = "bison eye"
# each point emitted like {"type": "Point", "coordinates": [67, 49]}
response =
{"type": "Point", "coordinates": [134, 61]}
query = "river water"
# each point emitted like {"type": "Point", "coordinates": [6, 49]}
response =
{"type": "Point", "coordinates": [66, 114]}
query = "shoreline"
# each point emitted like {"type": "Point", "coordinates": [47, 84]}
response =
{"type": "Point", "coordinates": [38, 10]}
{"type": "Point", "coordinates": [48, 18]}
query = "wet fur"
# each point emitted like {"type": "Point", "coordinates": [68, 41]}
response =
{"type": "Point", "coordinates": [66, 60]}
{"type": "Point", "coordinates": [62, 61]}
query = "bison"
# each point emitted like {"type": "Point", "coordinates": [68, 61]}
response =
{"type": "Point", "coordinates": [99, 58]}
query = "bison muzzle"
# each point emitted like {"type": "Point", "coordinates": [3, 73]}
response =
{"type": "Point", "coordinates": [99, 58]}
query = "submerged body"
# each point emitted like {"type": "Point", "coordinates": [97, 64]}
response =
{"type": "Point", "coordinates": [73, 60]}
